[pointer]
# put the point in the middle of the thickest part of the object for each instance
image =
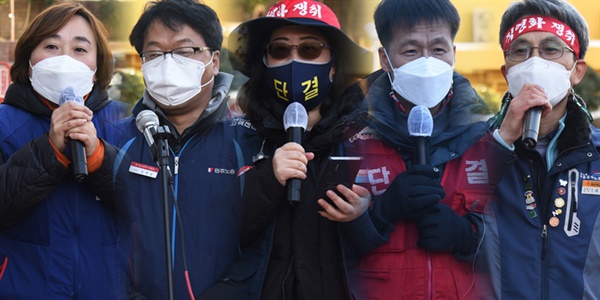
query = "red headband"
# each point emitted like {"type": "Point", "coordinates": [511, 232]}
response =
{"type": "Point", "coordinates": [308, 9]}
{"type": "Point", "coordinates": [541, 23]}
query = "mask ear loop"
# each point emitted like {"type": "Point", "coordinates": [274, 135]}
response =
{"type": "Point", "coordinates": [577, 99]}
{"type": "Point", "coordinates": [392, 93]}
{"type": "Point", "coordinates": [212, 56]}
{"type": "Point", "coordinates": [391, 67]}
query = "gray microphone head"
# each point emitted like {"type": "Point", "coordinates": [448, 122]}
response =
{"type": "Point", "coordinates": [295, 115]}
{"type": "Point", "coordinates": [420, 122]}
{"type": "Point", "coordinates": [146, 118]}
{"type": "Point", "coordinates": [69, 95]}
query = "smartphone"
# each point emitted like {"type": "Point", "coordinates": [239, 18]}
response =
{"type": "Point", "coordinates": [338, 170]}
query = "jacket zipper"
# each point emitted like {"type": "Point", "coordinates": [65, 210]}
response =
{"type": "Point", "coordinates": [287, 274]}
{"type": "Point", "coordinates": [430, 273]}
{"type": "Point", "coordinates": [544, 211]}
{"type": "Point", "coordinates": [174, 216]}
{"type": "Point", "coordinates": [544, 261]}
{"type": "Point", "coordinates": [544, 235]}
{"type": "Point", "coordinates": [537, 159]}
{"type": "Point", "coordinates": [175, 185]}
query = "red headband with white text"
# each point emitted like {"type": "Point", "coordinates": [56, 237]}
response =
{"type": "Point", "coordinates": [541, 23]}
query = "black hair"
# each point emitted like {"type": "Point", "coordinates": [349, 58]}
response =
{"type": "Point", "coordinates": [176, 13]}
{"type": "Point", "coordinates": [392, 14]}
{"type": "Point", "coordinates": [557, 9]}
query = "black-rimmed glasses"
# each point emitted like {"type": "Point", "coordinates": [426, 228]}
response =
{"type": "Point", "coordinates": [188, 52]}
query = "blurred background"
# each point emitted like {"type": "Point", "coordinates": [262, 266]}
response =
{"type": "Point", "coordinates": [478, 57]}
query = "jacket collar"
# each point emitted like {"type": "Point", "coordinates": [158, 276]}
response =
{"type": "Point", "coordinates": [574, 133]}
{"type": "Point", "coordinates": [217, 108]}
{"type": "Point", "coordinates": [458, 125]}
{"type": "Point", "coordinates": [23, 96]}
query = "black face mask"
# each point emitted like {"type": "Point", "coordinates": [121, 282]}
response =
{"type": "Point", "coordinates": [296, 81]}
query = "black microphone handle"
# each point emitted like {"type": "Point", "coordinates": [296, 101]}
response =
{"type": "Point", "coordinates": [293, 190]}
{"type": "Point", "coordinates": [421, 149]}
{"type": "Point", "coordinates": [78, 160]}
{"type": "Point", "coordinates": [531, 127]}
{"type": "Point", "coordinates": [293, 185]}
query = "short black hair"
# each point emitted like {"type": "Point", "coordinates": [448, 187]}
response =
{"type": "Point", "coordinates": [176, 13]}
{"type": "Point", "coordinates": [392, 14]}
{"type": "Point", "coordinates": [557, 9]}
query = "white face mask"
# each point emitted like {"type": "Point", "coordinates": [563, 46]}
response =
{"type": "Point", "coordinates": [49, 77]}
{"type": "Point", "coordinates": [553, 77]}
{"type": "Point", "coordinates": [423, 81]}
{"type": "Point", "coordinates": [174, 80]}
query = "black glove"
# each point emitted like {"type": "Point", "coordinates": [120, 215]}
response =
{"type": "Point", "coordinates": [411, 194]}
{"type": "Point", "coordinates": [442, 229]}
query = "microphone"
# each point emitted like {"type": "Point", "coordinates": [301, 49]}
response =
{"type": "Point", "coordinates": [295, 121]}
{"type": "Point", "coordinates": [147, 122]}
{"type": "Point", "coordinates": [420, 127]}
{"type": "Point", "coordinates": [531, 127]}
{"type": "Point", "coordinates": [78, 157]}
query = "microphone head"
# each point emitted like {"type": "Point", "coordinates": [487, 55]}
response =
{"type": "Point", "coordinates": [68, 95]}
{"type": "Point", "coordinates": [420, 122]}
{"type": "Point", "coordinates": [146, 118]}
{"type": "Point", "coordinates": [295, 115]}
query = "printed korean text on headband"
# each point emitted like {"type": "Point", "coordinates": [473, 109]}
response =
{"type": "Point", "coordinates": [541, 23]}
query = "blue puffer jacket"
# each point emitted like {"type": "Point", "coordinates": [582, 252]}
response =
{"type": "Point", "coordinates": [57, 241]}
{"type": "Point", "coordinates": [544, 231]}
{"type": "Point", "coordinates": [203, 204]}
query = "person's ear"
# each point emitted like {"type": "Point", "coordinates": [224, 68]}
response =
{"type": "Point", "coordinates": [578, 72]}
{"type": "Point", "coordinates": [383, 60]}
{"type": "Point", "coordinates": [503, 71]}
{"type": "Point", "coordinates": [216, 62]}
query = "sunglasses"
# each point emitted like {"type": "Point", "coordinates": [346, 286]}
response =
{"type": "Point", "coordinates": [306, 50]}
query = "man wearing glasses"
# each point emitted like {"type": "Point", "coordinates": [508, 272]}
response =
{"type": "Point", "coordinates": [546, 221]}
{"type": "Point", "coordinates": [179, 43]}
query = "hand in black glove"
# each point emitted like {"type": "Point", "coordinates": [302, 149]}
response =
{"type": "Point", "coordinates": [442, 229]}
{"type": "Point", "coordinates": [411, 194]}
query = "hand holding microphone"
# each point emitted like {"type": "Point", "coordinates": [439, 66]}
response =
{"type": "Point", "coordinates": [70, 125]}
{"type": "Point", "coordinates": [420, 127]}
{"type": "Point", "coordinates": [531, 127]}
{"type": "Point", "coordinates": [295, 121]}
{"type": "Point", "coordinates": [523, 116]}
{"type": "Point", "coordinates": [415, 191]}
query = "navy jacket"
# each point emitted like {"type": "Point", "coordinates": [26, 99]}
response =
{"type": "Point", "coordinates": [544, 230]}
{"type": "Point", "coordinates": [204, 202]}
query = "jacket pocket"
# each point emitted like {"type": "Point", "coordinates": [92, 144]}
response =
{"type": "Point", "coordinates": [466, 201]}
{"type": "Point", "coordinates": [367, 284]}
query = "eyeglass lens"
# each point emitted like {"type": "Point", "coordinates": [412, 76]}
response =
{"type": "Point", "coordinates": [306, 50]}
